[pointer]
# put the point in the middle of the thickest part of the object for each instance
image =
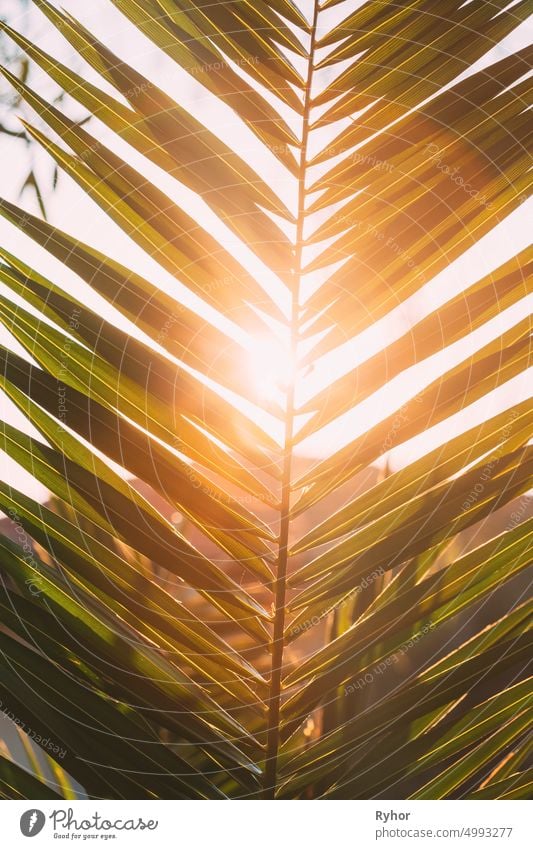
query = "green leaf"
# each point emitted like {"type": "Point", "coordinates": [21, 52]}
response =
{"type": "Point", "coordinates": [46, 696]}
{"type": "Point", "coordinates": [433, 600]}
{"type": "Point", "coordinates": [470, 765]}
{"type": "Point", "coordinates": [421, 476]}
{"type": "Point", "coordinates": [153, 373]}
{"type": "Point", "coordinates": [78, 549]}
{"type": "Point", "coordinates": [17, 783]}
{"type": "Point", "coordinates": [516, 786]}
{"type": "Point", "coordinates": [453, 733]}
{"type": "Point", "coordinates": [488, 653]}
{"type": "Point", "coordinates": [453, 321]}
{"type": "Point", "coordinates": [80, 369]}
{"type": "Point", "coordinates": [489, 367]}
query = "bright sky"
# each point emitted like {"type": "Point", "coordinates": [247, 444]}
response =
{"type": "Point", "coordinates": [69, 209]}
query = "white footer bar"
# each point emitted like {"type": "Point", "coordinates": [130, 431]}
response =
{"type": "Point", "coordinates": [268, 825]}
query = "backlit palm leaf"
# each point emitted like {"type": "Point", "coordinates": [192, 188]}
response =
{"type": "Point", "coordinates": [179, 663]}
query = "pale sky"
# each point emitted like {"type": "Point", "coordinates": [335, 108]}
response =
{"type": "Point", "coordinates": [69, 209]}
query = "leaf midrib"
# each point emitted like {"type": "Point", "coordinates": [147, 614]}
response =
{"type": "Point", "coordinates": [280, 584]}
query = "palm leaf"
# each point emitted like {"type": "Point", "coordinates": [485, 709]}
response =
{"type": "Point", "coordinates": [183, 655]}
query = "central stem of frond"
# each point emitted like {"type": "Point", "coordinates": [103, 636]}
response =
{"type": "Point", "coordinates": [273, 737]}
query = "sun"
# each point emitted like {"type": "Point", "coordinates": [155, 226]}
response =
{"type": "Point", "coordinates": [272, 367]}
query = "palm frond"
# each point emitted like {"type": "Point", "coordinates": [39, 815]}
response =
{"type": "Point", "coordinates": [196, 612]}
